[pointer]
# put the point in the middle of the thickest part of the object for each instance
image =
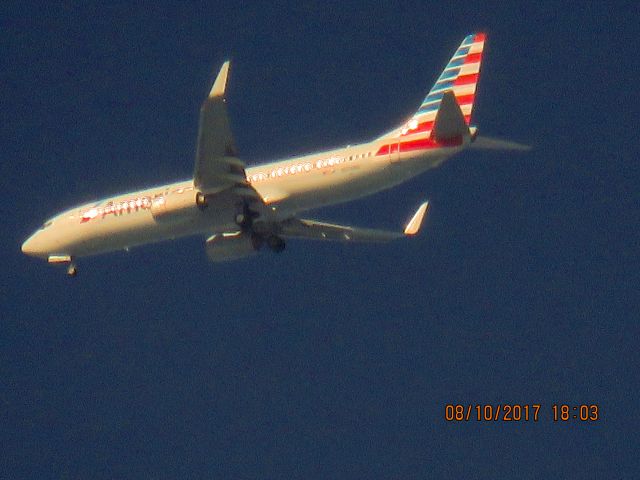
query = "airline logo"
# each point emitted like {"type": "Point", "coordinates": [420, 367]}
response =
{"type": "Point", "coordinates": [118, 208]}
{"type": "Point", "coordinates": [460, 76]}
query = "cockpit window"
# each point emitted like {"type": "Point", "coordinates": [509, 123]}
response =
{"type": "Point", "coordinates": [46, 224]}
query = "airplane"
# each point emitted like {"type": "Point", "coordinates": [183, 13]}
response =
{"type": "Point", "coordinates": [242, 209]}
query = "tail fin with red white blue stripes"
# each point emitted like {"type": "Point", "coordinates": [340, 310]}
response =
{"type": "Point", "coordinates": [460, 76]}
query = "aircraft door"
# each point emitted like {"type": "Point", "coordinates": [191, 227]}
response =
{"type": "Point", "coordinates": [394, 152]}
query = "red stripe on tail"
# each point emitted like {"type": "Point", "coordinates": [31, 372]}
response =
{"type": "Point", "coordinates": [466, 79]}
{"type": "Point", "coordinates": [465, 99]}
{"type": "Point", "coordinates": [473, 58]}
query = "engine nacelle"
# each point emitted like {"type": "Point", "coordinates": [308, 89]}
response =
{"type": "Point", "coordinates": [224, 247]}
{"type": "Point", "coordinates": [176, 207]}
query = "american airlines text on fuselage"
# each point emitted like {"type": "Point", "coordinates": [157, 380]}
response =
{"type": "Point", "coordinates": [146, 202]}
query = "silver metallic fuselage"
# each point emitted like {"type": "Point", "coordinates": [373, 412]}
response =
{"type": "Point", "coordinates": [289, 187]}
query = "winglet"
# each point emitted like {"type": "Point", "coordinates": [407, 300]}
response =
{"type": "Point", "coordinates": [221, 81]}
{"type": "Point", "coordinates": [413, 227]}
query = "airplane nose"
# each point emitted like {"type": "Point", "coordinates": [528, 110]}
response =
{"type": "Point", "coordinates": [27, 247]}
{"type": "Point", "coordinates": [31, 247]}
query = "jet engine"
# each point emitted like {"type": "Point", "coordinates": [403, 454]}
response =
{"type": "Point", "coordinates": [224, 247]}
{"type": "Point", "coordinates": [174, 208]}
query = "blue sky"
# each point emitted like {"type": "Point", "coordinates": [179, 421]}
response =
{"type": "Point", "coordinates": [328, 361]}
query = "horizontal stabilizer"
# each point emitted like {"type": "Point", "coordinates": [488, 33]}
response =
{"type": "Point", "coordinates": [449, 123]}
{"type": "Point", "coordinates": [487, 143]}
{"type": "Point", "coordinates": [315, 230]}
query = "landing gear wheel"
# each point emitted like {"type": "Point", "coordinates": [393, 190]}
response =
{"type": "Point", "coordinates": [201, 200]}
{"type": "Point", "coordinates": [241, 219]}
{"type": "Point", "coordinates": [71, 270]}
{"type": "Point", "coordinates": [245, 218]}
{"type": "Point", "coordinates": [276, 244]}
{"type": "Point", "coordinates": [257, 241]}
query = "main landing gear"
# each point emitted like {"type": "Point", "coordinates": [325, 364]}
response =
{"type": "Point", "coordinates": [276, 244]}
{"type": "Point", "coordinates": [244, 219]}
{"type": "Point", "coordinates": [259, 236]}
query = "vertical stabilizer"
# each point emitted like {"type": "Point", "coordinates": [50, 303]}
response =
{"type": "Point", "coordinates": [460, 76]}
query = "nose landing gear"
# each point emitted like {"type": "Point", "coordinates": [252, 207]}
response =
{"type": "Point", "coordinates": [72, 271]}
{"type": "Point", "coordinates": [57, 259]}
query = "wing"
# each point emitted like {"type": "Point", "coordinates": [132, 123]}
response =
{"type": "Point", "coordinates": [312, 229]}
{"type": "Point", "coordinates": [217, 166]}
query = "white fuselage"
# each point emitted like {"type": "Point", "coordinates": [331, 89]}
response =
{"type": "Point", "coordinates": [287, 187]}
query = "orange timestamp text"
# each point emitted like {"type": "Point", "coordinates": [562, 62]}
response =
{"type": "Point", "coordinates": [516, 412]}
{"type": "Point", "coordinates": [491, 413]}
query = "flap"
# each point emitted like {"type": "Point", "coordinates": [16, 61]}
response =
{"type": "Point", "coordinates": [312, 229]}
